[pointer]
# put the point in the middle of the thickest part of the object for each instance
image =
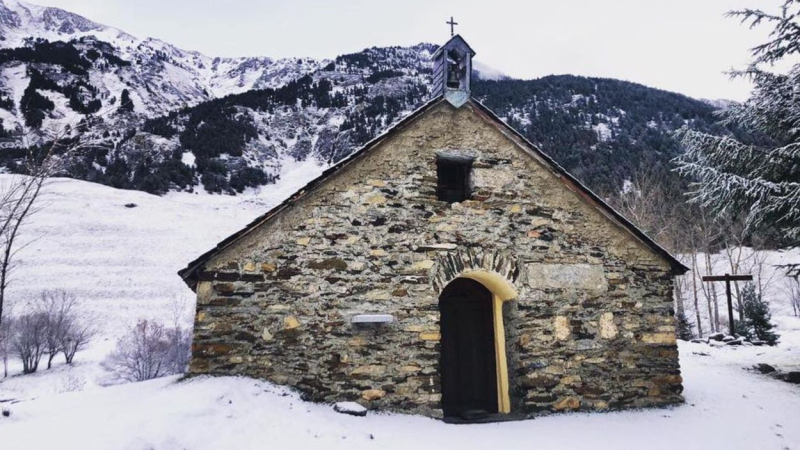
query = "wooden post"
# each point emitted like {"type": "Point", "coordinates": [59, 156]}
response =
{"type": "Point", "coordinates": [731, 326]}
{"type": "Point", "coordinates": [727, 278]}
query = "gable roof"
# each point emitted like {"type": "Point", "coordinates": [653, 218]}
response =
{"type": "Point", "coordinates": [457, 39]}
{"type": "Point", "coordinates": [190, 272]}
{"type": "Point", "coordinates": [677, 267]}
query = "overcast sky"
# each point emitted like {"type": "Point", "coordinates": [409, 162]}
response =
{"type": "Point", "coordinates": [678, 45]}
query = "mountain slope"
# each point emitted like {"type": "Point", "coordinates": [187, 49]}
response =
{"type": "Point", "coordinates": [159, 76]}
{"type": "Point", "coordinates": [166, 118]}
{"type": "Point", "coordinates": [601, 130]}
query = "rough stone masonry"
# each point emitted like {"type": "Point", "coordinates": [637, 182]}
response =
{"type": "Point", "coordinates": [591, 327]}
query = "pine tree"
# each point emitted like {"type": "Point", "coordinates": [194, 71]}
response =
{"type": "Point", "coordinates": [125, 102]}
{"type": "Point", "coordinates": [683, 329]}
{"type": "Point", "coordinates": [756, 323]}
{"type": "Point", "coordinates": [762, 178]}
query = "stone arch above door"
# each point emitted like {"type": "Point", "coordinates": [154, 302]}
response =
{"type": "Point", "coordinates": [497, 270]}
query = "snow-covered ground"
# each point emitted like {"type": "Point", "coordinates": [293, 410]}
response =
{"type": "Point", "coordinates": [762, 265]}
{"type": "Point", "coordinates": [119, 251]}
{"type": "Point", "coordinates": [122, 263]}
{"type": "Point", "coordinates": [726, 408]}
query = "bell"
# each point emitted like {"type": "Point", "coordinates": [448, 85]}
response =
{"type": "Point", "coordinates": [452, 76]}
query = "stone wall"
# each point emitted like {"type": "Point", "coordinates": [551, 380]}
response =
{"type": "Point", "coordinates": [591, 327]}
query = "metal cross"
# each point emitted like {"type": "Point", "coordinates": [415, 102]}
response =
{"type": "Point", "coordinates": [452, 25]}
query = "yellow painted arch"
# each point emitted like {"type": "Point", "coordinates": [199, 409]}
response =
{"type": "Point", "coordinates": [498, 284]}
{"type": "Point", "coordinates": [502, 290]}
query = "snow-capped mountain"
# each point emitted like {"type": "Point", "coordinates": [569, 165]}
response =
{"type": "Point", "coordinates": [247, 139]}
{"type": "Point", "coordinates": [166, 118]}
{"type": "Point", "coordinates": [22, 21]}
{"type": "Point", "coordinates": [57, 67]}
{"type": "Point", "coordinates": [160, 77]}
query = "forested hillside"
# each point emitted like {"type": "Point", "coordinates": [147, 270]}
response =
{"type": "Point", "coordinates": [602, 130]}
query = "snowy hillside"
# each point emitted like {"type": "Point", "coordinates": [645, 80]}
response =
{"type": "Point", "coordinates": [159, 76]}
{"type": "Point", "coordinates": [131, 244]}
{"type": "Point", "coordinates": [121, 262]}
{"type": "Point", "coordinates": [188, 72]}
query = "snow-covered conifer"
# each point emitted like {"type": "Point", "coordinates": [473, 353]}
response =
{"type": "Point", "coordinates": [757, 323]}
{"type": "Point", "coordinates": [683, 329]}
{"type": "Point", "coordinates": [760, 175]}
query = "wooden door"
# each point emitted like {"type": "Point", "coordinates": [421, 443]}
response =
{"type": "Point", "coordinates": [468, 366]}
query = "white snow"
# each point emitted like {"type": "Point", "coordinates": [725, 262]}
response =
{"type": "Point", "coordinates": [487, 72]}
{"type": "Point", "coordinates": [726, 408]}
{"type": "Point", "coordinates": [603, 131]}
{"type": "Point", "coordinates": [122, 263]}
{"type": "Point", "coordinates": [188, 158]}
{"type": "Point", "coordinates": [294, 175]}
{"type": "Point", "coordinates": [627, 186]}
{"type": "Point", "coordinates": [350, 407]}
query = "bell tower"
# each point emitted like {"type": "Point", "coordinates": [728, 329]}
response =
{"type": "Point", "coordinates": [452, 69]}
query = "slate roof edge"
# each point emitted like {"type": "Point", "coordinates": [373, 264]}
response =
{"type": "Point", "coordinates": [678, 267]}
{"type": "Point", "coordinates": [189, 273]}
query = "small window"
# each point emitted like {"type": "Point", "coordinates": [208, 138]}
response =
{"type": "Point", "coordinates": [453, 179]}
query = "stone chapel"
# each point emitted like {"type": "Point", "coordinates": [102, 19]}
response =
{"type": "Point", "coordinates": [448, 268]}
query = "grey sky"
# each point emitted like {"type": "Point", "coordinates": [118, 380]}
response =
{"type": "Point", "coordinates": [678, 45]}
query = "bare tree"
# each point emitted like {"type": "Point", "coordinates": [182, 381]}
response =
{"type": "Point", "coordinates": [66, 332]}
{"type": "Point", "coordinates": [149, 350]}
{"type": "Point", "coordinates": [180, 335]}
{"type": "Point", "coordinates": [51, 326]}
{"type": "Point", "coordinates": [16, 205]}
{"type": "Point", "coordinates": [734, 240]}
{"type": "Point", "coordinates": [695, 289]}
{"type": "Point", "coordinates": [57, 306]}
{"type": "Point", "coordinates": [29, 339]}
{"type": "Point", "coordinates": [792, 287]}
{"type": "Point", "coordinates": [647, 202]}
{"type": "Point", "coordinates": [710, 290]}
{"type": "Point", "coordinates": [708, 233]}
{"type": "Point", "coordinates": [756, 264]}
{"type": "Point", "coordinates": [20, 194]}
{"type": "Point", "coordinates": [179, 350]}
{"type": "Point", "coordinates": [75, 338]}
{"type": "Point", "coordinates": [6, 330]}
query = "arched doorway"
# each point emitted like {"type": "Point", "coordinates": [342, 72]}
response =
{"type": "Point", "coordinates": [468, 359]}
